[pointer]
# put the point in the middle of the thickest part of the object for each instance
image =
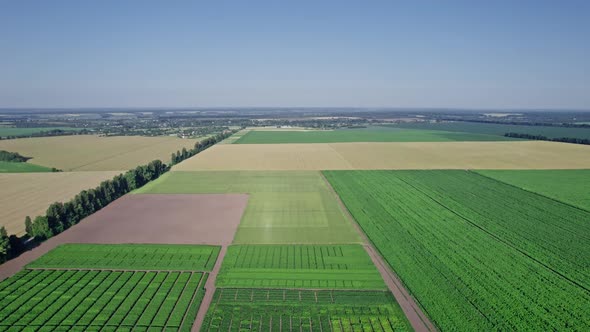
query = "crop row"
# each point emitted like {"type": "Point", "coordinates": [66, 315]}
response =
{"type": "Point", "coordinates": [299, 266]}
{"type": "Point", "coordinates": [130, 257]}
{"type": "Point", "coordinates": [289, 310]}
{"type": "Point", "coordinates": [100, 299]}
{"type": "Point", "coordinates": [465, 274]}
{"type": "Point", "coordinates": [553, 233]}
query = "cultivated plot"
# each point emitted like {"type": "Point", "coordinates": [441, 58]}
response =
{"type": "Point", "coordinates": [9, 131]}
{"type": "Point", "coordinates": [11, 167]}
{"type": "Point", "coordinates": [94, 153]}
{"type": "Point", "coordinates": [93, 300]}
{"type": "Point", "coordinates": [283, 207]}
{"type": "Point", "coordinates": [129, 257]}
{"type": "Point", "coordinates": [299, 266]}
{"type": "Point", "coordinates": [568, 186]}
{"type": "Point", "coordinates": [413, 155]}
{"type": "Point", "coordinates": [371, 134]}
{"type": "Point", "coordinates": [303, 310]}
{"type": "Point", "coordinates": [500, 258]}
{"type": "Point", "coordinates": [108, 288]}
{"type": "Point", "coordinates": [30, 194]}
{"type": "Point", "coordinates": [498, 129]}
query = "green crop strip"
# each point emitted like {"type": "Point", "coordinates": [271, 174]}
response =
{"type": "Point", "coordinates": [371, 134]}
{"type": "Point", "coordinates": [130, 257]}
{"type": "Point", "coordinates": [570, 186]}
{"type": "Point", "coordinates": [303, 310]}
{"type": "Point", "coordinates": [299, 266]}
{"type": "Point", "coordinates": [97, 300]}
{"type": "Point", "coordinates": [476, 253]}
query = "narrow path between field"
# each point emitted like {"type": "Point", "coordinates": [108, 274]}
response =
{"type": "Point", "coordinates": [209, 290]}
{"type": "Point", "coordinates": [418, 319]}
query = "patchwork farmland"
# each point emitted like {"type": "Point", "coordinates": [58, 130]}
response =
{"type": "Point", "coordinates": [297, 234]}
{"type": "Point", "coordinates": [115, 288]}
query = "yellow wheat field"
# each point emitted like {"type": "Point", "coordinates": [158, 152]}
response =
{"type": "Point", "coordinates": [29, 194]}
{"type": "Point", "coordinates": [414, 155]}
{"type": "Point", "coordinates": [94, 153]}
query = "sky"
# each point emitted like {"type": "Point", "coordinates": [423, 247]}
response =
{"type": "Point", "coordinates": [448, 54]}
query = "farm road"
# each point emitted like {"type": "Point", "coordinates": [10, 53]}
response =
{"type": "Point", "coordinates": [209, 291]}
{"type": "Point", "coordinates": [418, 319]}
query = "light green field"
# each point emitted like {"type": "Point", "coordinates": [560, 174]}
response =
{"type": "Point", "coordinates": [299, 266]}
{"type": "Point", "coordinates": [174, 257]}
{"type": "Point", "coordinates": [371, 134]}
{"type": "Point", "coordinates": [568, 186]}
{"type": "Point", "coordinates": [10, 167]}
{"type": "Point", "coordinates": [284, 206]}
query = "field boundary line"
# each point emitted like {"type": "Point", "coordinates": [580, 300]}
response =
{"type": "Point", "coordinates": [107, 269]}
{"type": "Point", "coordinates": [72, 296]}
{"type": "Point", "coordinates": [180, 297]}
{"type": "Point", "coordinates": [527, 190]}
{"type": "Point", "coordinates": [164, 301]}
{"type": "Point", "coordinates": [143, 312]}
{"type": "Point", "coordinates": [210, 290]}
{"type": "Point", "coordinates": [409, 305]}
{"type": "Point", "coordinates": [499, 239]}
{"type": "Point", "coordinates": [120, 304]}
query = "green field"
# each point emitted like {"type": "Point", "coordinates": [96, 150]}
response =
{"type": "Point", "coordinates": [568, 186]}
{"type": "Point", "coordinates": [67, 300]}
{"type": "Point", "coordinates": [371, 134]}
{"type": "Point", "coordinates": [284, 206]}
{"type": "Point", "coordinates": [497, 129]}
{"type": "Point", "coordinates": [163, 257]}
{"type": "Point", "coordinates": [7, 131]}
{"type": "Point", "coordinates": [476, 253]}
{"type": "Point", "coordinates": [299, 266]}
{"type": "Point", "coordinates": [12, 167]}
{"type": "Point", "coordinates": [303, 310]}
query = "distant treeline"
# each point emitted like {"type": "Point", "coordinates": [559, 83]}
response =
{"type": "Point", "coordinates": [12, 157]}
{"type": "Point", "coordinates": [61, 216]}
{"type": "Point", "coordinates": [48, 133]}
{"type": "Point", "coordinates": [183, 154]}
{"type": "Point", "coordinates": [545, 138]}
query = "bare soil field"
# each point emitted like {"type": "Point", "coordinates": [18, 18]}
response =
{"type": "Point", "coordinates": [94, 153]}
{"type": "Point", "coordinates": [29, 194]}
{"type": "Point", "coordinates": [179, 219]}
{"type": "Point", "coordinates": [407, 155]}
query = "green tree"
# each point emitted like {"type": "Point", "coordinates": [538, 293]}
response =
{"type": "Point", "coordinates": [4, 245]}
{"type": "Point", "coordinates": [28, 226]}
{"type": "Point", "coordinates": [41, 228]}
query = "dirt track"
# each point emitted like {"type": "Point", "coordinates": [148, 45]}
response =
{"type": "Point", "coordinates": [169, 219]}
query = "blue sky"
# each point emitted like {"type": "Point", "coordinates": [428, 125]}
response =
{"type": "Point", "coordinates": [466, 54]}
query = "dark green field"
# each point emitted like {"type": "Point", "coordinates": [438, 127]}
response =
{"type": "Point", "coordinates": [497, 129]}
{"type": "Point", "coordinates": [7, 131]}
{"type": "Point", "coordinates": [478, 254]}
{"type": "Point", "coordinates": [371, 134]}
{"type": "Point", "coordinates": [303, 310]}
{"type": "Point", "coordinates": [12, 167]}
{"type": "Point", "coordinates": [299, 266]}
{"type": "Point", "coordinates": [568, 186]}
